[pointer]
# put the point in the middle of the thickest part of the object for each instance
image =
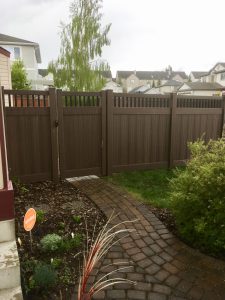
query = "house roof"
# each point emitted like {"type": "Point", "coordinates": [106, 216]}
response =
{"type": "Point", "coordinates": [202, 86]}
{"type": "Point", "coordinates": [152, 75]}
{"type": "Point", "coordinates": [10, 40]}
{"type": "Point", "coordinates": [4, 52]}
{"type": "Point", "coordinates": [172, 83]}
{"type": "Point", "coordinates": [140, 89]}
{"type": "Point", "coordinates": [107, 74]}
{"type": "Point", "coordinates": [198, 74]}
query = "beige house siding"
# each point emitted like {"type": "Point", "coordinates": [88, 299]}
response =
{"type": "Point", "coordinates": [5, 71]}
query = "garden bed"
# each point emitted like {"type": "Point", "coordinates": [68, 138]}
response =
{"type": "Point", "coordinates": [62, 210]}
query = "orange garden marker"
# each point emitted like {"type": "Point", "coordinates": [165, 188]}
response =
{"type": "Point", "coordinates": [29, 219]}
{"type": "Point", "coordinates": [29, 222]}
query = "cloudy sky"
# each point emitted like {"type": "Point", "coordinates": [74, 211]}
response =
{"type": "Point", "coordinates": [145, 34]}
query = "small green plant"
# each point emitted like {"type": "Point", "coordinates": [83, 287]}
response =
{"type": "Point", "coordinates": [20, 187]}
{"type": "Point", "coordinates": [198, 197]}
{"type": "Point", "coordinates": [62, 225]}
{"type": "Point", "coordinates": [56, 263]}
{"type": "Point", "coordinates": [51, 242]}
{"type": "Point", "coordinates": [40, 216]}
{"type": "Point", "coordinates": [44, 276]}
{"type": "Point", "coordinates": [66, 278]}
{"type": "Point", "coordinates": [77, 219]}
{"type": "Point", "coordinates": [69, 244]}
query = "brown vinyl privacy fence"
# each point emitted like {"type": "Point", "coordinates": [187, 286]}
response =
{"type": "Point", "coordinates": [56, 134]}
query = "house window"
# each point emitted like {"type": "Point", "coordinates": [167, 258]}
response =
{"type": "Point", "coordinates": [222, 76]}
{"type": "Point", "coordinates": [132, 81]}
{"type": "Point", "coordinates": [17, 53]}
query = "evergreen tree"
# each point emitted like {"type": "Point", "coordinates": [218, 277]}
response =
{"type": "Point", "coordinates": [79, 66]}
{"type": "Point", "coordinates": [19, 76]}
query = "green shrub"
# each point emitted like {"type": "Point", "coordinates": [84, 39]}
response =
{"type": "Point", "coordinates": [40, 216]}
{"type": "Point", "coordinates": [198, 197]}
{"type": "Point", "coordinates": [44, 276]}
{"type": "Point", "coordinates": [56, 262]}
{"type": "Point", "coordinates": [69, 244]}
{"type": "Point", "coordinates": [51, 242]}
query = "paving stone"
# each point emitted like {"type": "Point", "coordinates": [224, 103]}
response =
{"type": "Point", "coordinates": [148, 251]}
{"type": "Point", "coordinates": [152, 269]}
{"type": "Point", "coordinates": [145, 263]}
{"type": "Point", "coordinates": [163, 289]}
{"type": "Point", "coordinates": [116, 294]}
{"type": "Point", "coordinates": [196, 293]}
{"type": "Point", "coordinates": [172, 280]}
{"type": "Point", "coordinates": [138, 256]}
{"type": "Point", "coordinates": [162, 275]}
{"type": "Point", "coordinates": [143, 286]}
{"type": "Point", "coordinates": [164, 267]}
{"type": "Point", "coordinates": [170, 268]}
{"type": "Point", "coordinates": [136, 295]}
{"type": "Point", "coordinates": [135, 277]}
{"type": "Point", "coordinates": [156, 296]}
{"type": "Point", "coordinates": [140, 243]}
{"type": "Point", "coordinates": [158, 260]}
{"type": "Point", "coordinates": [133, 251]}
{"type": "Point", "coordinates": [184, 286]}
{"type": "Point", "coordinates": [99, 295]}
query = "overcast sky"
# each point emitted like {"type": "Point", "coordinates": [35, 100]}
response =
{"type": "Point", "coordinates": [145, 34]}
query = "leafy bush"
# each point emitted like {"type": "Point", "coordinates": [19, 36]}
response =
{"type": "Point", "coordinates": [44, 276]}
{"type": "Point", "coordinates": [198, 197]}
{"type": "Point", "coordinates": [51, 242]}
{"type": "Point", "coordinates": [72, 243]}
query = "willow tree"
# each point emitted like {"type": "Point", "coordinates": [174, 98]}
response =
{"type": "Point", "coordinates": [79, 65]}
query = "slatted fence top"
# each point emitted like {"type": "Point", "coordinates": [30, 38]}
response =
{"type": "Point", "coordinates": [199, 101]}
{"type": "Point", "coordinates": [140, 100]}
{"type": "Point", "coordinates": [80, 99]}
{"type": "Point", "coordinates": [31, 98]}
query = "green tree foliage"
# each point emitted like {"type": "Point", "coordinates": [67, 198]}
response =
{"type": "Point", "coordinates": [19, 76]}
{"type": "Point", "coordinates": [198, 197]}
{"type": "Point", "coordinates": [79, 66]}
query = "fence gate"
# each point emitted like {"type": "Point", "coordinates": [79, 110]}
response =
{"type": "Point", "coordinates": [82, 133]}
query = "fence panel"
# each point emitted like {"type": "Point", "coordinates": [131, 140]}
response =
{"type": "Point", "coordinates": [140, 131]}
{"type": "Point", "coordinates": [29, 135]}
{"type": "Point", "coordinates": [196, 117]}
{"type": "Point", "coordinates": [80, 133]}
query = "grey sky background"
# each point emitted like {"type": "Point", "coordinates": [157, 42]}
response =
{"type": "Point", "coordinates": [189, 35]}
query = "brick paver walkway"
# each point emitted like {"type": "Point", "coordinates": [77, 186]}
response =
{"type": "Point", "coordinates": [163, 267]}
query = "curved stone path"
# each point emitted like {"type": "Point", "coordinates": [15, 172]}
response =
{"type": "Point", "coordinates": [163, 267]}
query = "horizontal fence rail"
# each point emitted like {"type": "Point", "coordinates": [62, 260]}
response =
{"type": "Point", "coordinates": [57, 134]}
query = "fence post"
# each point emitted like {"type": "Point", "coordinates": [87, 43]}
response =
{"type": "Point", "coordinates": [54, 134]}
{"type": "Point", "coordinates": [104, 133]}
{"type": "Point", "coordinates": [173, 106]}
{"type": "Point", "coordinates": [61, 135]}
{"type": "Point", "coordinates": [223, 117]}
{"type": "Point", "coordinates": [109, 132]}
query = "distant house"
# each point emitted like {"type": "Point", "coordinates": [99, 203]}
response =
{"type": "Point", "coordinates": [216, 74]}
{"type": "Point", "coordinates": [25, 50]}
{"type": "Point", "coordinates": [5, 71]}
{"type": "Point", "coordinates": [169, 87]}
{"type": "Point", "coordinates": [196, 75]}
{"type": "Point", "coordinates": [201, 89]}
{"type": "Point", "coordinates": [133, 79]}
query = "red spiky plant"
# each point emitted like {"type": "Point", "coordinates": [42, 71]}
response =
{"type": "Point", "coordinates": [104, 241]}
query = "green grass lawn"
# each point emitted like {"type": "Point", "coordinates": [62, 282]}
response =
{"type": "Point", "coordinates": [151, 186]}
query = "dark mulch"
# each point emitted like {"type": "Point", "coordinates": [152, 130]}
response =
{"type": "Point", "coordinates": [59, 202]}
